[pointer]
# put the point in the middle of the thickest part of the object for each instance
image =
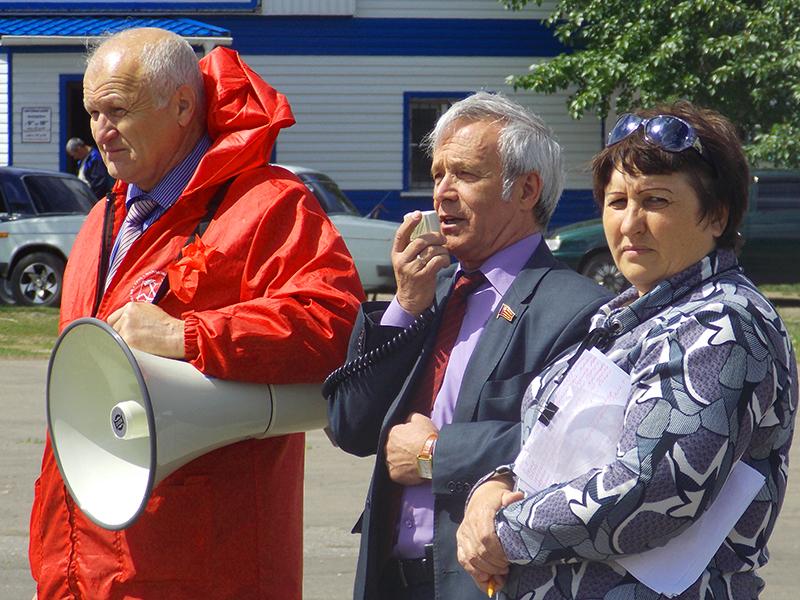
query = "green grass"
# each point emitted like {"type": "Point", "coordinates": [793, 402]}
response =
{"type": "Point", "coordinates": [27, 332]}
{"type": "Point", "coordinates": [789, 289]}
{"type": "Point", "coordinates": [792, 322]}
{"type": "Point", "coordinates": [786, 297]}
{"type": "Point", "coordinates": [31, 332]}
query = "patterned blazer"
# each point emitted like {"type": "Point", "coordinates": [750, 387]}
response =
{"type": "Point", "coordinates": [713, 381]}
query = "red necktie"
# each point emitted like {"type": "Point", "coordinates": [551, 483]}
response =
{"type": "Point", "coordinates": [431, 380]}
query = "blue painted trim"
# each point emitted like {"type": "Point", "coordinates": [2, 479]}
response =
{"type": "Point", "coordinates": [347, 36]}
{"type": "Point", "coordinates": [48, 50]}
{"type": "Point", "coordinates": [80, 27]}
{"type": "Point", "coordinates": [407, 97]}
{"type": "Point", "coordinates": [320, 36]}
{"type": "Point", "coordinates": [575, 205]}
{"type": "Point", "coordinates": [10, 107]}
{"type": "Point", "coordinates": [63, 80]}
{"type": "Point", "coordinates": [60, 49]}
{"type": "Point", "coordinates": [116, 7]}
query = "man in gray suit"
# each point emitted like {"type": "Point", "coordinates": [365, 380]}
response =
{"type": "Point", "coordinates": [440, 406]}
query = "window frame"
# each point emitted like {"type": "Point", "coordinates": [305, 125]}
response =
{"type": "Point", "coordinates": [409, 98]}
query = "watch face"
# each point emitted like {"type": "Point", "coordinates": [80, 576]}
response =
{"type": "Point", "coordinates": [425, 457]}
{"type": "Point", "coordinates": [425, 467]}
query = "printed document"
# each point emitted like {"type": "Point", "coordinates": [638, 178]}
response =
{"type": "Point", "coordinates": [672, 568]}
{"type": "Point", "coordinates": [585, 429]}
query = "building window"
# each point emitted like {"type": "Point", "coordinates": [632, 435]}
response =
{"type": "Point", "coordinates": [422, 112]}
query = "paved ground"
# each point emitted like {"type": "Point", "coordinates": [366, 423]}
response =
{"type": "Point", "coordinates": [335, 487]}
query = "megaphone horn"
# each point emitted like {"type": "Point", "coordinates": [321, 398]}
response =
{"type": "Point", "coordinates": [122, 420]}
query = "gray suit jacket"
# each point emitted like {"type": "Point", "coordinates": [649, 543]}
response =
{"type": "Point", "coordinates": [552, 305]}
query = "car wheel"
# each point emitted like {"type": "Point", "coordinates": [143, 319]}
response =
{"type": "Point", "coordinates": [37, 280]}
{"type": "Point", "coordinates": [602, 269]}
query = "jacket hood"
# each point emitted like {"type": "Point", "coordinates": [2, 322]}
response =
{"type": "Point", "coordinates": [244, 116]}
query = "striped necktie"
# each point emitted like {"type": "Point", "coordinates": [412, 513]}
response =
{"type": "Point", "coordinates": [130, 231]}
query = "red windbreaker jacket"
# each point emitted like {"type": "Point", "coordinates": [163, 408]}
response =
{"type": "Point", "coordinates": [275, 305]}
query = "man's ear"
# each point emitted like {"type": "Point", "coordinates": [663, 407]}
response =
{"type": "Point", "coordinates": [185, 104]}
{"type": "Point", "coordinates": [531, 190]}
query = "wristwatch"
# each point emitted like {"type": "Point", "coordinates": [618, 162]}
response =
{"type": "Point", "coordinates": [425, 457]}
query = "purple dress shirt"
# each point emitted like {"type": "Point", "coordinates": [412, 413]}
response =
{"type": "Point", "coordinates": [415, 526]}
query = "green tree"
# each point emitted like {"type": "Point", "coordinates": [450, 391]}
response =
{"type": "Point", "coordinates": [740, 57]}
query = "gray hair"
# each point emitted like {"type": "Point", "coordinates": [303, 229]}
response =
{"type": "Point", "coordinates": [167, 63]}
{"type": "Point", "coordinates": [525, 144]}
{"type": "Point", "coordinates": [75, 143]}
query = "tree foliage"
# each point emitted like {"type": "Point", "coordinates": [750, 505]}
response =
{"type": "Point", "coordinates": [740, 57]}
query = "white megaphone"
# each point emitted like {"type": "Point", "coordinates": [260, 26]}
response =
{"type": "Point", "coordinates": [121, 420]}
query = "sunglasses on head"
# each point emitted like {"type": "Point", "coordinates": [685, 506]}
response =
{"type": "Point", "coordinates": [668, 132]}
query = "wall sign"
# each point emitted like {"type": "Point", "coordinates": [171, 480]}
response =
{"type": "Point", "coordinates": [36, 124]}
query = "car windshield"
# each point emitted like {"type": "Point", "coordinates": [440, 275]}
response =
{"type": "Point", "coordinates": [58, 195]}
{"type": "Point", "coordinates": [331, 198]}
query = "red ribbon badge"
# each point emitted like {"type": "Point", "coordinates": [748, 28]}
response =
{"type": "Point", "coordinates": [184, 275]}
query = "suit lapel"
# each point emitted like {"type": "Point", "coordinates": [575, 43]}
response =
{"type": "Point", "coordinates": [498, 332]}
{"type": "Point", "coordinates": [443, 286]}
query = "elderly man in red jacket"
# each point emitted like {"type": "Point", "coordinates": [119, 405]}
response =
{"type": "Point", "coordinates": [269, 295]}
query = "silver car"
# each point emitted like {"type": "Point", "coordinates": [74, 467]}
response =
{"type": "Point", "coordinates": [368, 240]}
{"type": "Point", "coordinates": [40, 215]}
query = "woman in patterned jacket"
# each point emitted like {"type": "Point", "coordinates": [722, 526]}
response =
{"type": "Point", "coordinates": [713, 383]}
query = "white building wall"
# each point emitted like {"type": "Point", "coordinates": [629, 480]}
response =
{"type": "Point", "coordinates": [449, 9]}
{"type": "Point", "coordinates": [407, 9]}
{"type": "Point", "coordinates": [36, 84]}
{"type": "Point", "coordinates": [308, 7]}
{"type": "Point", "coordinates": [349, 111]}
{"type": "Point", "coordinates": [4, 101]}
